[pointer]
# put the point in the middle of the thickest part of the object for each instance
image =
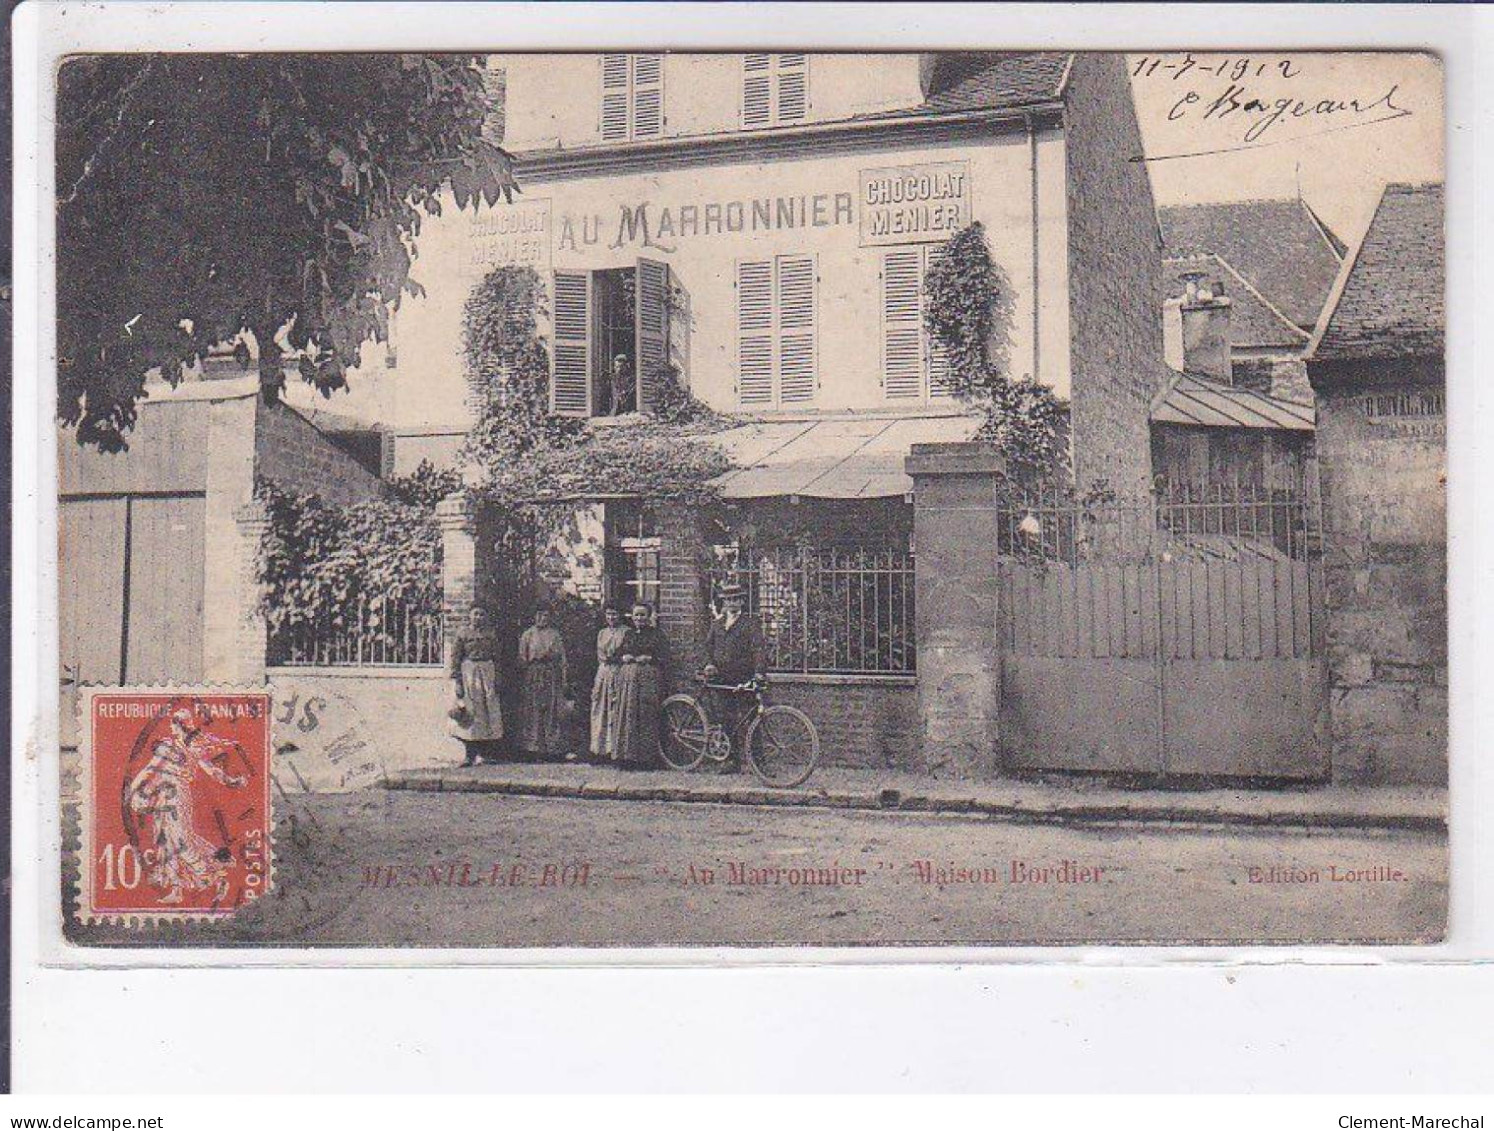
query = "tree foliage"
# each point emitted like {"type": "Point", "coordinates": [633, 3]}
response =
{"type": "Point", "coordinates": [200, 196]}
{"type": "Point", "coordinates": [969, 313]}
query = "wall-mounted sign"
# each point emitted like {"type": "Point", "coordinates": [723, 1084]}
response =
{"type": "Point", "coordinates": [517, 234]}
{"type": "Point", "coordinates": [914, 203]}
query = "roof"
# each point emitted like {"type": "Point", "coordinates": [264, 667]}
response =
{"type": "Point", "coordinates": [1278, 246]}
{"type": "Point", "coordinates": [1254, 322]}
{"type": "Point", "coordinates": [1191, 399]}
{"type": "Point", "coordinates": [1389, 298]}
{"type": "Point", "coordinates": [994, 80]}
{"type": "Point", "coordinates": [857, 457]}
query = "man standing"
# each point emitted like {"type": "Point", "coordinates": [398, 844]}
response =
{"type": "Point", "coordinates": [734, 655]}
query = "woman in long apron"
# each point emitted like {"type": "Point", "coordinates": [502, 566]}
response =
{"type": "Point", "coordinates": [477, 718]}
{"type": "Point", "coordinates": [542, 660]}
{"type": "Point", "coordinates": [606, 686]}
{"type": "Point", "coordinates": [640, 683]}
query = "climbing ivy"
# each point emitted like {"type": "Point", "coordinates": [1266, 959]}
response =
{"type": "Point", "coordinates": [969, 314]}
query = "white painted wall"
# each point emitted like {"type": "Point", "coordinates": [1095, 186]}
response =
{"type": "Point", "coordinates": [576, 224]}
{"type": "Point", "coordinates": [555, 100]}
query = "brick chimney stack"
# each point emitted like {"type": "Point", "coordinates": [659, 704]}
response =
{"type": "Point", "coordinates": [1196, 328]}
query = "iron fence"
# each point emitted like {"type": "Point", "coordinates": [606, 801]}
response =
{"type": "Point", "coordinates": [1203, 521]}
{"type": "Point", "coordinates": [832, 611]}
{"type": "Point", "coordinates": [375, 633]}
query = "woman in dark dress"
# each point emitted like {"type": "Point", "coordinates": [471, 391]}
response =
{"type": "Point", "coordinates": [640, 689]}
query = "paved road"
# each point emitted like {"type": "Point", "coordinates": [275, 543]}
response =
{"type": "Point", "coordinates": [473, 869]}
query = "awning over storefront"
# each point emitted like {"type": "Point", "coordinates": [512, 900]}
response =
{"type": "Point", "coordinates": [857, 457]}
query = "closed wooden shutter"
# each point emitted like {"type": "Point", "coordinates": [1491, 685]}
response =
{"type": "Point", "coordinates": [648, 95]}
{"type": "Point", "coordinates": [757, 90]}
{"type": "Point", "coordinates": [614, 97]}
{"type": "Point", "coordinates": [651, 312]}
{"type": "Point", "coordinates": [796, 345]}
{"type": "Point", "coordinates": [902, 324]}
{"type": "Point", "coordinates": [755, 333]}
{"type": "Point", "coordinates": [792, 87]}
{"type": "Point", "coordinates": [914, 364]}
{"type": "Point", "coordinates": [570, 366]}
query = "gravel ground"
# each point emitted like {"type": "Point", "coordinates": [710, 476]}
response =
{"type": "Point", "coordinates": [410, 869]}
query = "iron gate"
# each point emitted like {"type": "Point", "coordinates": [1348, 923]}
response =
{"type": "Point", "coordinates": [1178, 635]}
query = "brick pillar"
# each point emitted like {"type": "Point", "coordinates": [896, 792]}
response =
{"type": "Point", "coordinates": [683, 611]}
{"type": "Point", "coordinates": [959, 666]}
{"type": "Point", "coordinates": [244, 637]}
{"type": "Point", "coordinates": [458, 523]}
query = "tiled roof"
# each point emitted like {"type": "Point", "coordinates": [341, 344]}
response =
{"type": "Point", "coordinates": [990, 80]}
{"type": "Point", "coordinates": [1253, 322]}
{"type": "Point", "coordinates": [1390, 298]}
{"type": "Point", "coordinates": [1277, 245]}
{"type": "Point", "coordinates": [1190, 399]}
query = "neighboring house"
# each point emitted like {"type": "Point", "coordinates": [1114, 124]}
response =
{"type": "Point", "coordinates": [151, 547]}
{"type": "Point", "coordinates": [1213, 434]}
{"type": "Point", "coordinates": [763, 223]}
{"type": "Point", "coordinates": [1376, 366]}
{"type": "Point", "coordinates": [1277, 261]}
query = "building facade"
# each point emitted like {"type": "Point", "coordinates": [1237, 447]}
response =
{"type": "Point", "coordinates": [1377, 369]}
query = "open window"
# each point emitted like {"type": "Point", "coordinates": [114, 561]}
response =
{"type": "Point", "coordinates": [616, 333]}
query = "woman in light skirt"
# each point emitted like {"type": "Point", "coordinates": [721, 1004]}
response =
{"type": "Point", "coordinates": [604, 689]}
{"type": "Point", "coordinates": [477, 718]}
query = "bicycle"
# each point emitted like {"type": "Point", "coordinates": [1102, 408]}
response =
{"type": "Point", "coordinates": [782, 747]}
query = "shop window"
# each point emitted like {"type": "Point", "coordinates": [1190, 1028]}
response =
{"type": "Point", "coordinates": [914, 366]}
{"type": "Point", "coordinates": [632, 97]}
{"type": "Point", "coordinates": [612, 338]}
{"type": "Point", "coordinates": [775, 89]}
{"type": "Point", "coordinates": [776, 350]}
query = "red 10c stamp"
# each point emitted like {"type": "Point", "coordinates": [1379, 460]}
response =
{"type": "Point", "coordinates": [176, 803]}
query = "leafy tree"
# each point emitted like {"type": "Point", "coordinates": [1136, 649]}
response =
{"type": "Point", "coordinates": [200, 196]}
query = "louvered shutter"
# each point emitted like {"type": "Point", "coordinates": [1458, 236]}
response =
{"type": "Point", "coordinates": [796, 361]}
{"type": "Point", "coordinates": [648, 95]}
{"type": "Point", "coordinates": [570, 365]}
{"type": "Point", "coordinates": [902, 328]}
{"type": "Point", "coordinates": [651, 311]}
{"type": "Point", "coordinates": [755, 333]}
{"type": "Point", "coordinates": [793, 87]}
{"type": "Point", "coordinates": [614, 97]}
{"type": "Point", "coordinates": [757, 90]}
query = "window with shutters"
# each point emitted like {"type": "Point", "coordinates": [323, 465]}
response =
{"type": "Point", "coordinates": [914, 367]}
{"type": "Point", "coordinates": [775, 89]}
{"type": "Point", "coordinates": [776, 350]}
{"type": "Point", "coordinates": [614, 334]}
{"type": "Point", "coordinates": [632, 97]}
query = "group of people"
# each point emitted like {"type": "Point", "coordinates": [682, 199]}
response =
{"type": "Point", "coordinates": [626, 695]}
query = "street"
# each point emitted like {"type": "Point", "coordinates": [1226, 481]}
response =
{"type": "Point", "coordinates": [482, 870]}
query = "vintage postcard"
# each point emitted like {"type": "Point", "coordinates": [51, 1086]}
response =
{"type": "Point", "coordinates": [618, 500]}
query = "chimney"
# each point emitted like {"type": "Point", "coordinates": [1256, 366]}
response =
{"type": "Point", "coordinates": [1195, 328]}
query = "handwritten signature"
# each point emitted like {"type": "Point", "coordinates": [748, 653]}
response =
{"type": "Point", "coordinates": [1244, 99]}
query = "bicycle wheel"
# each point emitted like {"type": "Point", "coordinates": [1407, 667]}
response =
{"type": "Point", "coordinates": [685, 733]}
{"type": "Point", "coordinates": [782, 746]}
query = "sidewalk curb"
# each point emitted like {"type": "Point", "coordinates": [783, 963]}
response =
{"type": "Point", "coordinates": [1077, 812]}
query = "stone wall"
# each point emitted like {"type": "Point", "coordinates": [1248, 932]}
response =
{"type": "Point", "coordinates": [959, 666]}
{"type": "Point", "coordinates": [1115, 277]}
{"type": "Point", "coordinates": [1385, 563]}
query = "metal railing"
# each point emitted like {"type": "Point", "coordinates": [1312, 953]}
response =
{"type": "Point", "coordinates": [831, 611]}
{"type": "Point", "coordinates": [1204, 520]}
{"type": "Point", "coordinates": [373, 634]}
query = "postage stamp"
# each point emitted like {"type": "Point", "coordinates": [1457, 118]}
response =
{"type": "Point", "coordinates": [176, 802]}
